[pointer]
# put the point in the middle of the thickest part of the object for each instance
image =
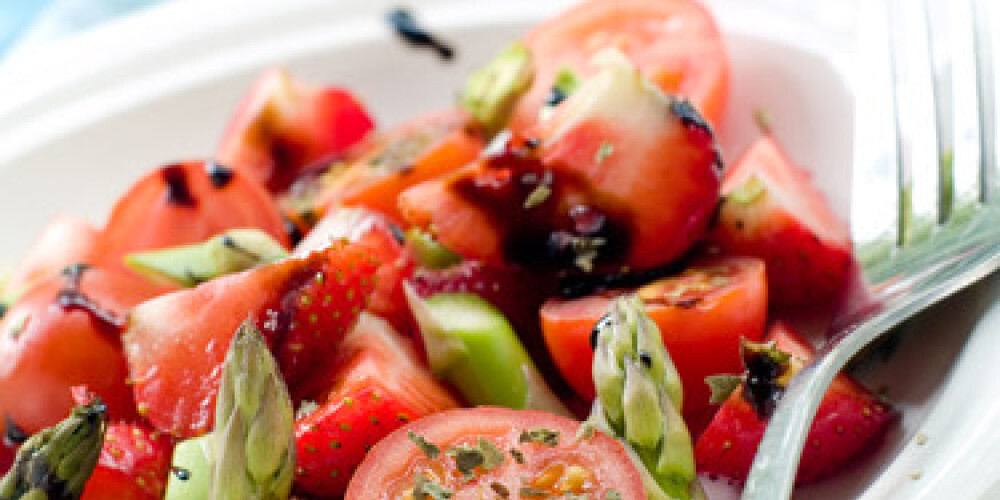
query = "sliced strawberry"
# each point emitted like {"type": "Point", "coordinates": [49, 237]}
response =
{"type": "Point", "coordinates": [848, 421]}
{"type": "Point", "coordinates": [176, 344]}
{"type": "Point", "coordinates": [134, 464]}
{"type": "Point", "coordinates": [372, 387]}
{"type": "Point", "coordinates": [771, 210]}
{"type": "Point", "coordinates": [284, 125]}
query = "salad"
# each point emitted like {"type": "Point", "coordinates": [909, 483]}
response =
{"type": "Point", "coordinates": [554, 289]}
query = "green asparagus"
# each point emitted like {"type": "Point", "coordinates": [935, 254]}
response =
{"type": "Point", "coordinates": [55, 463]}
{"type": "Point", "coordinates": [639, 400]}
{"type": "Point", "coordinates": [254, 424]}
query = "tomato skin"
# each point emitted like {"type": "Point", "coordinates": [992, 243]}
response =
{"type": "Point", "coordinates": [59, 348]}
{"type": "Point", "coordinates": [283, 126]}
{"type": "Point", "coordinates": [64, 240]}
{"type": "Point", "coordinates": [701, 328]}
{"type": "Point", "coordinates": [603, 458]}
{"type": "Point", "coordinates": [424, 148]}
{"type": "Point", "coordinates": [675, 43]}
{"type": "Point", "coordinates": [186, 203]}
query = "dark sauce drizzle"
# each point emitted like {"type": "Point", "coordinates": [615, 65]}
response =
{"type": "Point", "coordinates": [692, 120]}
{"type": "Point", "coordinates": [407, 28]}
{"type": "Point", "coordinates": [3, 309]}
{"type": "Point", "coordinates": [292, 230]}
{"type": "Point", "coordinates": [761, 389]}
{"type": "Point", "coordinates": [71, 297]}
{"type": "Point", "coordinates": [550, 234]}
{"type": "Point", "coordinates": [220, 175]}
{"type": "Point", "coordinates": [13, 435]}
{"type": "Point", "coordinates": [178, 189]}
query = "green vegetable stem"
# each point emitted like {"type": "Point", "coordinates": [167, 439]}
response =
{"type": "Point", "coordinates": [471, 344]}
{"type": "Point", "coordinates": [639, 400]}
{"type": "Point", "coordinates": [56, 463]}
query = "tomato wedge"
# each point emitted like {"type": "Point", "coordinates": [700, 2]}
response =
{"type": "Point", "coordinates": [675, 43]}
{"type": "Point", "coordinates": [64, 240]}
{"type": "Point", "coordinates": [517, 464]}
{"type": "Point", "coordinates": [63, 333]}
{"type": "Point", "coordinates": [701, 313]}
{"type": "Point", "coordinates": [185, 203]}
{"type": "Point", "coordinates": [424, 148]}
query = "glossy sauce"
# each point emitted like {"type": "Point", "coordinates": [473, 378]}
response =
{"type": "Point", "coordinates": [553, 228]}
{"type": "Point", "coordinates": [405, 25]}
{"type": "Point", "coordinates": [70, 297]}
{"type": "Point", "coordinates": [178, 189]}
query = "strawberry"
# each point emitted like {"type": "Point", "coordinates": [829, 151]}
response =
{"type": "Point", "coordinates": [373, 386]}
{"type": "Point", "coordinates": [323, 308]}
{"type": "Point", "coordinates": [848, 421]}
{"type": "Point", "coordinates": [134, 464]}
{"type": "Point", "coordinates": [771, 210]}
{"type": "Point", "coordinates": [175, 344]}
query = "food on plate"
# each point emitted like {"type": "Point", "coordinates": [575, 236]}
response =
{"type": "Point", "coordinates": [284, 126]}
{"type": "Point", "coordinates": [375, 385]}
{"type": "Point", "coordinates": [185, 203]}
{"type": "Point", "coordinates": [849, 419]}
{"type": "Point", "coordinates": [56, 462]}
{"type": "Point", "coordinates": [548, 288]}
{"type": "Point", "coordinates": [771, 210]}
{"type": "Point", "coordinates": [701, 312]}
{"type": "Point", "coordinates": [134, 464]}
{"type": "Point", "coordinates": [498, 452]}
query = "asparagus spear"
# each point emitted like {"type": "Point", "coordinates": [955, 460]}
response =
{"type": "Point", "coordinates": [56, 463]}
{"type": "Point", "coordinates": [254, 438]}
{"type": "Point", "coordinates": [639, 399]}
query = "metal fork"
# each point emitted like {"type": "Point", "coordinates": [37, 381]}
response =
{"type": "Point", "coordinates": [925, 200]}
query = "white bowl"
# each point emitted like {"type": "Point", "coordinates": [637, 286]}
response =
{"type": "Point", "coordinates": [80, 120]}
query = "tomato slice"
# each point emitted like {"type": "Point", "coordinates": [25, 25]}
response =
{"type": "Point", "coordinates": [65, 333]}
{"type": "Point", "coordinates": [424, 148]}
{"type": "Point", "coordinates": [675, 43]}
{"type": "Point", "coordinates": [594, 466]}
{"type": "Point", "coordinates": [701, 313]}
{"type": "Point", "coordinates": [186, 203]}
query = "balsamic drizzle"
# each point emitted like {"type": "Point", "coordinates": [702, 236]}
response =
{"type": "Point", "coordinates": [13, 435]}
{"type": "Point", "coordinates": [405, 25]}
{"type": "Point", "coordinates": [220, 174]}
{"type": "Point", "coordinates": [178, 190]}
{"type": "Point", "coordinates": [71, 297]}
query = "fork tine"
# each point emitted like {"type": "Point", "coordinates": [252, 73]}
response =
{"type": "Point", "coordinates": [916, 120]}
{"type": "Point", "coordinates": [875, 176]}
{"type": "Point", "coordinates": [965, 158]}
{"type": "Point", "coordinates": [986, 20]}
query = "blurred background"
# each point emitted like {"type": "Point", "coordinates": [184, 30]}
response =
{"type": "Point", "coordinates": [28, 23]}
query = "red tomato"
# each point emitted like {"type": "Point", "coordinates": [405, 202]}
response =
{"type": "Point", "coordinates": [53, 339]}
{"type": "Point", "coordinates": [595, 466]}
{"type": "Point", "coordinates": [675, 43]}
{"type": "Point", "coordinates": [64, 240]}
{"type": "Point", "coordinates": [373, 385]}
{"type": "Point", "coordinates": [186, 203]}
{"type": "Point", "coordinates": [283, 126]}
{"type": "Point", "coordinates": [701, 313]}
{"type": "Point", "coordinates": [424, 148]}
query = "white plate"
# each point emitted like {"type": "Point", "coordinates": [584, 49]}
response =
{"type": "Point", "coordinates": [79, 121]}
